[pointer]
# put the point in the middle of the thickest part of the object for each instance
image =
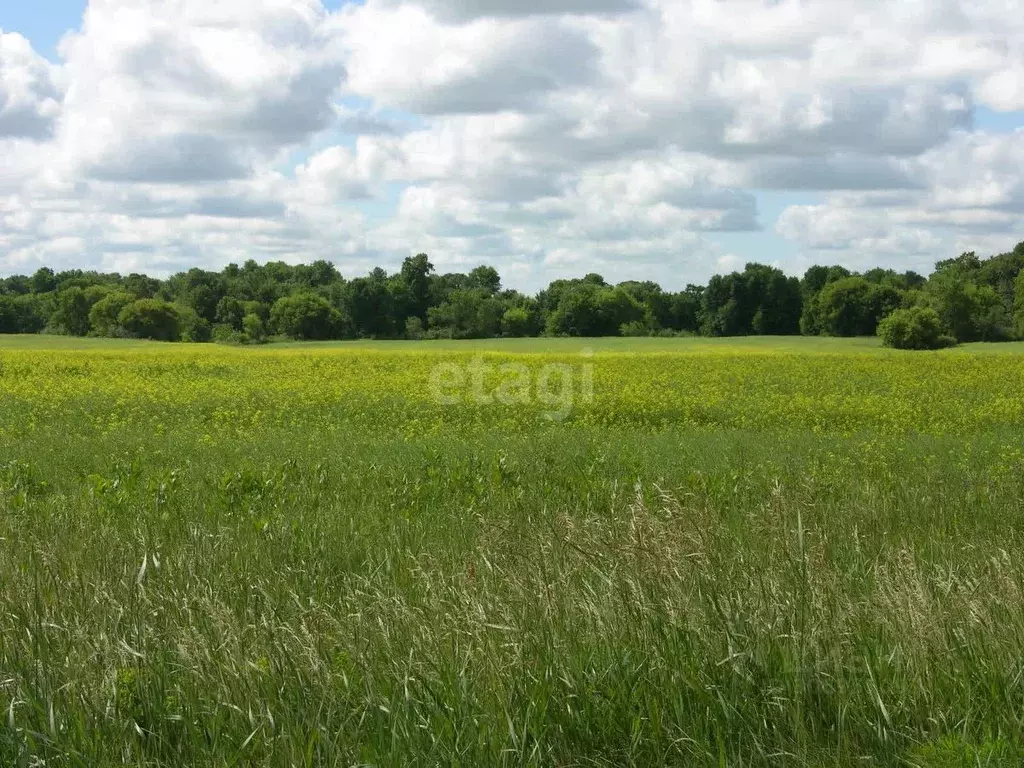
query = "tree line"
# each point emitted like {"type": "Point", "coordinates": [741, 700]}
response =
{"type": "Point", "coordinates": [965, 299]}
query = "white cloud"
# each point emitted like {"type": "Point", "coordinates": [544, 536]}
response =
{"type": "Point", "coordinates": [186, 90]}
{"type": "Point", "coordinates": [546, 137]}
{"type": "Point", "coordinates": [462, 10]}
{"type": "Point", "coordinates": [30, 90]}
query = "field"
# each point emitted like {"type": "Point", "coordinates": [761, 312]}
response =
{"type": "Point", "coordinates": [554, 552]}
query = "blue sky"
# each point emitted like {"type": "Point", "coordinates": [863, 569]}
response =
{"type": "Point", "coordinates": [492, 131]}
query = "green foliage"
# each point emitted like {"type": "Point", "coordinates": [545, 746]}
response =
{"type": "Point", "coordinates": [976, 299]}
{"type": "Point", "coordinates": [414, 329]}
{"type": "Point", "coordinates": [306, 316]}
{"type": "Point", "coordinates": [44, 281]}
{"type": "Point", "coordinates": [71, 315]}
{"type": "Point", "coordinates": [151, 319]}
{"type": "Point", "coordinates": [518, 322]}
{"type": "Point", "coordinates": [194, 327]}
{"type": "Point", "coordinates": [914, 328]}
{"type": "Point", "coordinates": [590, 309]}
{"type": "Point", "coordinates": [103, 317]}
{"type": "Point", "coordinates": [1018, 304]}
{"type": "Point", "coordinates": [760, 300]}
{"type": "Point", "coordinates": [254, 329]}
{"type": "Point", "coordinates": [485, 279]}
{"type": "Point", "coordinates": [470, 313]}
{"type": "Point", "coordinates": [850, 306]}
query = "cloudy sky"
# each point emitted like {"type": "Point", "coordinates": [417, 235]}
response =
{"type": "Point", "coordinates": [664, 139]}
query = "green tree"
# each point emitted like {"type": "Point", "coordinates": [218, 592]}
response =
{"type": "Point", "coordinates": [103, 317]}
{"type": "Point", "coordinates": [254, 329]}
{"type": "Point", "coordinates": [577, 313]}
{"type": "Point", "coordinates": [415, 276]}
{"type": "Point", "coordinates": [306, 316]}
{"type": "Point", "coordinates": [517, 322]}
{"type": "Point", "coordinates": [913, 328]}
{"type": "Point", "coordinates": [850, 306]}
{"type": "Point", "coordinates": [194, 328]}
{"type": "Point", "coordinates": [71, 315]}
{"type": "Point", "coordinates": [151, 319]}
{"type": "Point", "coordinates": [1019, 306]}
{"type": "Point", "coordinates": [9, 320]}
{"type": "Point", "coordinates": [43, 281]}
{"type": "Point", "coordinates": [231, 311]}
{"type": "Point", "coordinates": [486, 279]}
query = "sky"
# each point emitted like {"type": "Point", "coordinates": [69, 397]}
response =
{"type": "Point", "coordinates": [642, 139]}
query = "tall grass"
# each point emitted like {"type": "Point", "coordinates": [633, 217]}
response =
{"type": "Point", "coordinates": [571, 596]}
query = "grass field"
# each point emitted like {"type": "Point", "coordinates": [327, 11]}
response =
{"type": "Point", "coordinates": [528, 552]}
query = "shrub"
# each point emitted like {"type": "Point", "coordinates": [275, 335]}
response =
{"type": "Point", "coordinates": [914, 328]}
{"type": "Point", "coordinates": [414, 328]}
{"type": "Point", "coordinates": [151, 319]}
{"type": "Point", "coordinates": [194, 327]}
{"type": "Point", "coordinates": [254, 329]}
{"type": "Point", "coordinates": [516, 322]}
{"type": "Point", "coordinates": [104, 313]}
{"type": "Point", "coordinates": [635, 328]}
{"type": "Point", "coordinates": [306, 316]}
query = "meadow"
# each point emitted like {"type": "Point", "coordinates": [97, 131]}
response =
{"type": "Point", "coordinates": [687, 552]}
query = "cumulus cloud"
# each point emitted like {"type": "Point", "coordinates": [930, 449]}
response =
{"type": "Point", "coordinates": [188, 90]}
{"type": "Point", "coordinates": [547, 137]}
{"type": "Point", "coordinates": [460, 10]}
{"type": "Point", "coordinates": [30, 90]}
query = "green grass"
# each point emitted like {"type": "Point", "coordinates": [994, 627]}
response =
{"type": "Point", "coordinates": [230, 563]}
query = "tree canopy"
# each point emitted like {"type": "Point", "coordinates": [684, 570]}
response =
{"type": "Point", "coordinates": [974, 299]}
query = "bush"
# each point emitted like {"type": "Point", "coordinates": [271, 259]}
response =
{"type": "Point", "coordinates": [151, 319]}
{"type": "Point", "coordinates": [914, 328]}
{"type": "Point", "coordinates": [635, 328]}
{"type": "Point", "coordinates": [306, 316]}
{"type": "Point", "coordinates": [254, 329]}
{"type": "Point", "coordinates": [104, 313]}
{"type": "Point", "coordinates": [516, 322]}
{"type": "Point", "coordinates": [414, 328]}
{"type": "Point", "coordinates": [194, 328]}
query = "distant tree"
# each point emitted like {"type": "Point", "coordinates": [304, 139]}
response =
{"type": "Point", "coordinates": [103, 317]}
{"type": "Point", "coordinates": [684, 310]}
{"type": "Point", "coordinates": [151, 319]}
{"type": "Point", "coordinates": [193, 327]}
{"type": "Point", "coordinates": [1019, 306]}
{"type": "Point", "coordinates": [851, 306]}
{"type": "Point", "coordinates": [914, 328]}
{"type": "Point", "coordinates": [414, 329]}
{"type": "Point", "coordinates": [9, 320]}
{"type": "Point", "coordinates": [486, 279]}
{"type": "Point", "coordinates": [367, 301]}
{"type": "Point", "coordinates": [415, 276]}
{"type": "Point", "coordinates": [141, 286]}
{"type": "Point", "coordinates": [254, 328]}
{"type": "Point", "coordinates": [306, 316]}
{"type": "Point", "coordinates": [71, 315]}
{"type": "Point", "coordinates": [231, 311]}
{"type": "Point", "coordinates": [577, 313]}
{"type": "Point", "coordinates": [16, 284]}
{"type": "Point", "coordinates": [468, 314]}
{"type": "Point", "coordinates": [43, 281]}
{"type": "Point", "coordinates": [317, 275]}
{"type": "Point", "coordinates": [817, 277]}
{"type": "Point", "coordinates": [199, 290]}
{"type": "Point", "coordinates": [516, 322]}
{"type": "Point", "coordinates": [968, 311]}
{"type": "Point", "coordinates": [759, 300]}
{"type": "Point", "coordinates": [616, 308]}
